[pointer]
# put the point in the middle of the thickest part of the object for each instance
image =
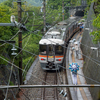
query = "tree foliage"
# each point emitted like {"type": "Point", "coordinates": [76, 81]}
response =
{"type": "Point", "coordinates": [96, 24]}
{"type": "Point", "coordinates": [35, 18]}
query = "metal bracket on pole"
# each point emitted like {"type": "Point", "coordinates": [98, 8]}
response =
{"type": "Point", "coordinates": [7, 24]}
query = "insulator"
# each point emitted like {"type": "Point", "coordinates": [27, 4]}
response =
{"type": "Point", "coordinates": [13, 49]}
{"type": "Point", "coordinates": [65, 94]}
{"type": "Point", "coordinates": [13, 53]}
{"type": "Point", "coordinates": [61, 92]}
{"type": "Point", "coordinates": [12, 18]}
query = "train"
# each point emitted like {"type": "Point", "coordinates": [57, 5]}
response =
{"type": "Point", "coordinates": [52, 46]}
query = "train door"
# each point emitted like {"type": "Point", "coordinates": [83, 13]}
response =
{"type": "Point", "coordinates": [51, 53]}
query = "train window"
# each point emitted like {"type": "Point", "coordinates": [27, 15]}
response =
{"type": "Point", "coordinates": [58, 50]}
{"type": "Point", "coordinates": [50, 48]}
{"type": "Point", "coordinates": [43, 49]}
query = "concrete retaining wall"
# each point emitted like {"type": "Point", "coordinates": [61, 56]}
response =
{"type": "Point", "coordinates": [90, 68]}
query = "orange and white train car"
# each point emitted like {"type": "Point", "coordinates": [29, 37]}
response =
{"type": "Point", "coordinates": [52, 47]}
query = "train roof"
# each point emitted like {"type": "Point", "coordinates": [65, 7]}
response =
{"type": "Point", "coordinates": [53, 33]}
{"type": "Point", "coordinates": [51, 41]}
{"type": "Point", "coordinates": [62, 23]}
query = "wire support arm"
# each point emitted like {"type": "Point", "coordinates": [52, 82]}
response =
{"type": "Point", "coordinates": [7, 24]}
{"type": "Point", "coordinates": [49, 86]}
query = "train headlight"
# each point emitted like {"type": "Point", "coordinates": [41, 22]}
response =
{"type": "Point", "coordinates": [42, 59]}
{"type": "Point", "coordinates": [58, 60]}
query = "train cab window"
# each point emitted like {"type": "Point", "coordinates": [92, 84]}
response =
{"type": "Point", "coordinates": [43, 49]}
{"type": "Point", "coordinates": [58, 50]}
{"type": "Point", "coordinates": [51, 50]}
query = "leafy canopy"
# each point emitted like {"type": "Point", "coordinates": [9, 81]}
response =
{"type": "Point", "coordinates": [96, 24]}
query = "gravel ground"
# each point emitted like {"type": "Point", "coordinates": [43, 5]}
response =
{"type": "Point", "coordinates": [36, 79]}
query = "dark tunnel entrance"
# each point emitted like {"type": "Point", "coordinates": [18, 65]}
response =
{"type": "Point", "coordinates": [79, 13]}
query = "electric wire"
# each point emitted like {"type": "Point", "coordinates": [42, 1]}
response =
{"type": "Point", "coordinates": [13, 8]}
{"type": "Point", "coordinates": [24, 94]}
{"type": "Point", "coordinates": [18, 31]}
{"type": "Point", "coordinates": [19, 48]}
{"type": "Point", "coordinates": [11, 91]}
{"type": "Point", "coordinates": [23, 70]}
{"type": "Point", "coordinates": [56, 64]}
{"type": "Point", "coordinates": [9, 77]}
{"type": "Point", "coordinates": [92, 59]}
{"type": "Point", "coordinates": [12, 69]}
{"type": "Point", "coordinates": [24, 13]}
{"type": "Point", "coordinates": [86, 77]}
{"type": "Point", "coordinates": [88, 58]}
{"type": "Point", "coordinates": [62, 46]}
{"type": "Point", "coordinates": [13, 62]}
{"type": "Point", "coordinates": [10, 39]}
{"type": "Point", "coordinates": [87, 46]}
{"type": "Point", "coordinates": [81, 54]}
{"type": "Point", "coordinates": [79, 74]}
{"type": "Point", "coordinates": [9, 81]}
{"type": "Point", "coordinates": [31, 32]}
{"type": "Point", "coordinates": [27, 65]}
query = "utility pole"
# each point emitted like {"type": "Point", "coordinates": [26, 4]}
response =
{"type": "Point", "coordinates": [20, 42]}
{"type": "Point", "coordinates": [44, 16]}
{"type": "Point", "coordinates": [63, 9]}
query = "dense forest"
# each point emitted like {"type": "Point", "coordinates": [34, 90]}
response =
{"type": "Point", "coordinates": [33, 21]}
{"type": "Point", "coordinates": [96, 23]}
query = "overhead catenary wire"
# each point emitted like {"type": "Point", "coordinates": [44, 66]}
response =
{"type": "Point", "coordinates": [20, 48]}
{"type": "Point", "coordinates": [8, 82]}
{"type": "Point", "coordinates": [36, 34]}
{"type": "Point", "coordinates": [92, 59]}
{"type": "Point", "coordinates": [24, 94]}
{"type": "Point", "coordinates": [12, 65]}
{"type": "Point", "coordinates": [61, 45]}
{"type": "Point", "coordinates": [56, 64]}
{"type": "Point", "coordinates": [66, 47]}
{"type": "Point", "coordinates": [22, 69]}
{"type": "Point", "coordinates": [11, 70]}
{"type": "Point", "coordinates": [43, 80]}
{"type": "Point", "coordinates": [36, 29]}
{"type": "Point", "coordinates": [11, 91]}
{"type": "Point", "coordinates": [17, 32]}
{"type": "Point", "coordinates": [31, 32]}
{"type": "Point", "coordinates": [10, 39]}
{"type": "Point", "coordinates": [10, 74]}
{"type": "Point", "coordinates": [27, 65]}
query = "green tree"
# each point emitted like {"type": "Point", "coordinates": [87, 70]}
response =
{"type": "Point", "coordinates": [96, 23]}
{"type": "Point", "coordinates": [5, 13]}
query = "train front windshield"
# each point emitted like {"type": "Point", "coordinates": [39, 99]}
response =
{"type": "Point", "coordinates": [51, 50]}
{"type": "Point", "coordinates": [59, 50]}
{"type": "Point", "coordinates": [43, 49]}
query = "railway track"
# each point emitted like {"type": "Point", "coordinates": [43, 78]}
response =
{"type": "Point", "coordinates": [50, 93]}
{"type": "Point", "coordinates": [53, 78]}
